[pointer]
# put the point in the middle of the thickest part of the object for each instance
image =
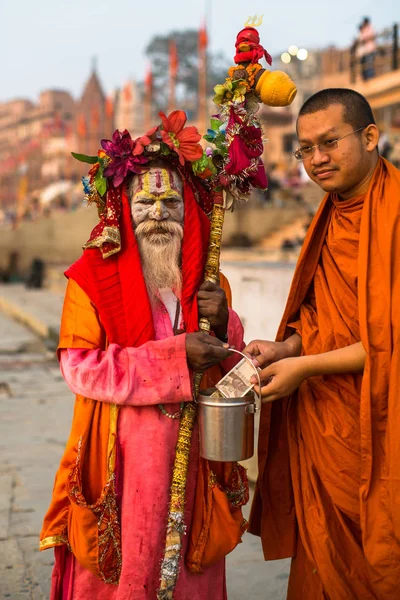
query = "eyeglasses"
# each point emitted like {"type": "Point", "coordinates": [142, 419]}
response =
{"type": "Point", "coordinates": [324, 147]}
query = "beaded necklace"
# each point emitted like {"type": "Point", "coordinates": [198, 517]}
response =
{"type": "Point", "coordinates": [177, 331]}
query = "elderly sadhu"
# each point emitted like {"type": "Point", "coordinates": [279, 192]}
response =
{"type": "Point", "coordinates": [128, 347]}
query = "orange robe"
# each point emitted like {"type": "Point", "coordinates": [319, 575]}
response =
{"type": "Point", "coordinates": [84, 515]}
{"type": "Point", "coordinates": [328, 491]}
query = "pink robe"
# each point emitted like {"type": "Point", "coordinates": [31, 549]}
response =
{"type": "Point", "coordinates": [139, 379]}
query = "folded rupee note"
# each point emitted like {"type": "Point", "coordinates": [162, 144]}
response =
{"type": "Point", "coordinates": [236, 383]}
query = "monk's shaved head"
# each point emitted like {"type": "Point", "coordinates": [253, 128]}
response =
{"type": "Point", "coordinates": [356, 110]}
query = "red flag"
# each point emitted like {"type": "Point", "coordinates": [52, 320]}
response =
{"type": "Point", "coordinates": [95, 118]}
{"type": "Point", "coordinates": [82, 129]}
{"type": "Point", "coordinates": [202, 78]}
{"type": "Point", "coordinates": [127, 92]}
{"type": "Point", "coordinates": [173, 59]}
{"type": "Point", "coordinates": [203, 39]}
{"type": "Point", "coordinates": [148, 80]}
{"type": "Point", "coordinates": [148, 97]}
{"type": "Point", "coordinates": [109, 107]}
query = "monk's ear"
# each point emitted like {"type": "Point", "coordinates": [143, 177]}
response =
{"type": "Point", "coordinates": [371, 136]}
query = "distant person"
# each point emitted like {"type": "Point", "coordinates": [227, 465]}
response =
{"type": "Point", "coordinates": [328, 491]}
{"type": "Point", "coordinates": [384, 145]}
{"type": "Point", "coordinates": [12, 272]}
{"type": "Point", "coordinates": [36, 274]}
{"type": "Point", "coordinates": [366, 49]}
{"type": "Point", "coordinates": [294, 182]}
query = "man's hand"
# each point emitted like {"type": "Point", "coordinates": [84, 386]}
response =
{"type": "Point", "coordinates": [282, 378]}
{"type": "Point", "coordinates": [264, 353]}
{"type": "Point", "coordinates": [212, 304]}
{"type": "Point", "coordinates": [204, 350]}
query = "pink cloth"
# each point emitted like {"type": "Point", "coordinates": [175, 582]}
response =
{"type": "Point", "coordinates": [139, 379]}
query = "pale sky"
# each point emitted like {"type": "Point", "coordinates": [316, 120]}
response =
{"type": "Point", "coordinates": [47, 44]}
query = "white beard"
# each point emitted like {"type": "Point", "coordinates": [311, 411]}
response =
{"type": "Point", "coordinates": [160, 244]}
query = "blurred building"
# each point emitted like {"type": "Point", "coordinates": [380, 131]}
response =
{"type": "Point", "coordinates": [128, 114]}
{"type": "Point", "coordinates": [36, 140]}
{"type": "Point", "coordinates": [94, 117]}
{"type": "Point", "coordinates": [25, 128]}
{"type": "Point", "coordinates": [314, 70]}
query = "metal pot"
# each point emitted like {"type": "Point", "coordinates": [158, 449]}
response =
{"type": "Point", "coordinates": [226, 426]}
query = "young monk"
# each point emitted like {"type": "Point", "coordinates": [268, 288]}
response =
{"type": "Point", "coordinates": [328, 492]}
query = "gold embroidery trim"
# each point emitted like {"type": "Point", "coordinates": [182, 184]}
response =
{"type": "Point", "coordinates": [52, 540]}
{"type": "Point", "coordinates": [109, 235]}
{"type": "Point", "coordinates": [112, 437]}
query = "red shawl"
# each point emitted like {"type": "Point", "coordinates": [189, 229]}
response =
{"type": "Point", "coordinates": [116, 284]}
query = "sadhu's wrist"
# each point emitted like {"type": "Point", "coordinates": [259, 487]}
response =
{"type": "Point", "coordinates": [222, 334]}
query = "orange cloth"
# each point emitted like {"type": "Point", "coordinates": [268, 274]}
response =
{"type": "Point", "coordinates": [84, 486]}
{"type": "Point", "coordinates": [329, 463]}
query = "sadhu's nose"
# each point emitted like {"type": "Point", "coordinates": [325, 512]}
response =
{"type": "Point", "coordinates": [159, 210]}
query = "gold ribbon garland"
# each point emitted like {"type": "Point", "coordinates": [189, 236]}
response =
{"type": "Point", "coordinates": [176, 526]}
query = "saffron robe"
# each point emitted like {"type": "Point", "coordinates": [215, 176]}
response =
{"type": "Point", "coordinates": [328, 491]}
{"type": "Point", "coordinates": [137, 379]}
{"type": "Point", "coordinates": [85, 511]}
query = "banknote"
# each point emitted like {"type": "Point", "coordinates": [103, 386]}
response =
{"type": "Point", "coordinates": [236, 383]}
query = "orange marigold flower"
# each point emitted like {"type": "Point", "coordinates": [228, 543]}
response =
{"type": "Point", "coordinates": [182, 140]}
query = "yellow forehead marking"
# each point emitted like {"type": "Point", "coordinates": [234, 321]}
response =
{"type": "Point", "coordinates": [169, 194]}
{"type": "Point", "coordinates": [146, 192]}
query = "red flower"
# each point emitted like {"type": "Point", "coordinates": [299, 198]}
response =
{"type": "Point", "coordinates": [244, 152]}
{"type": "Point", "coordinates": [182, 140]}
{"type": "Point", "coordinates": [147, 138]}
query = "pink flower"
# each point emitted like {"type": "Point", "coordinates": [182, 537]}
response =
{"type": "Point", "coordinates": [126, 156]}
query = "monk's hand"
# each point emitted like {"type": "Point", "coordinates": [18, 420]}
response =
{"type": "Point", "coordinates": [281, 378]}
{"type": "Point", "coordinates": [204, 350]}
{"type": "Point", "coordinates": [212, 303]}
{"type": "Point", "coordinates": [264, 353]}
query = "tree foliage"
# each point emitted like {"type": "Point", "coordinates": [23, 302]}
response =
{"type": "Point", "coordinates": [157, 53]}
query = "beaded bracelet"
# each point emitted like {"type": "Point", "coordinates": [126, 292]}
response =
{"type": "Point", "coordinates": [175, 415]}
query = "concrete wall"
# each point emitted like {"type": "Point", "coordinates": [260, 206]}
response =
{"type": "Point", "coordinates": [58, 239]}
{"type": "Point", "coordinates": [259, 293]}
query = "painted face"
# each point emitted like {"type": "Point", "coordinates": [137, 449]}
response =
{"type": "Point", "coordinates": [157, 196]}
{"type": "Point", "coordinates": [341, 169]}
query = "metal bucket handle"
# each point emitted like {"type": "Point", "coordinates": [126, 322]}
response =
{"type": "Point", "coordinates": [257, 375]}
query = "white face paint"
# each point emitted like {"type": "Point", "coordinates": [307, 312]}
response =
{"type": "Point", "coordinates": [157, 213]}
{"type": "Point", "coordinates": [144, 209]}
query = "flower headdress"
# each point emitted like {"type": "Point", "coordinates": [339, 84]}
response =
{"type": "Point", "coordinates": [232, 163]}
{"type": "Point", "coordinates": [122, 155]}
{"type": "Point", "coordinates": [170, 141]}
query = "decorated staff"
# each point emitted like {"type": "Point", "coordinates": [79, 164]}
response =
{"type": "Point", "coordinates": [232, 167]}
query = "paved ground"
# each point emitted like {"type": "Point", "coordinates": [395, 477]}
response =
{"type": "Point", "coordinates": [35, 416]}
{"type": "Point", "coordinates": [35, 413]}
